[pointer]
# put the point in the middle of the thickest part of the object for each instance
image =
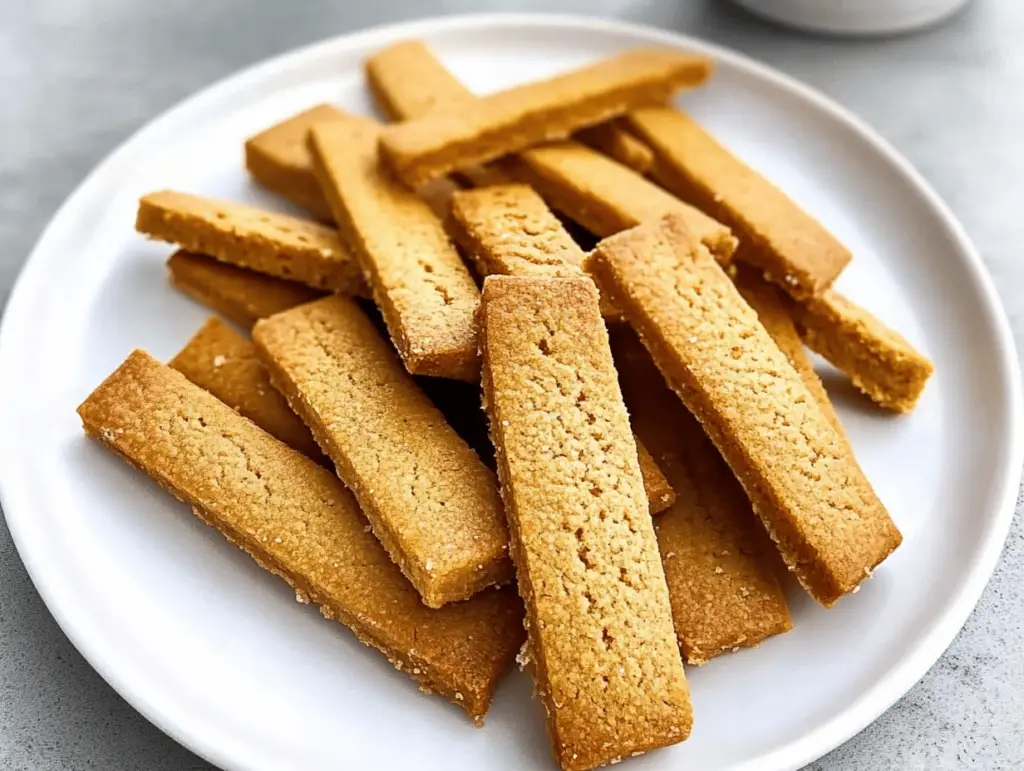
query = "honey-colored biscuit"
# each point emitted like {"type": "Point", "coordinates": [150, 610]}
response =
{"type": "Point", "coordinates": [821, 511]}
{"type": "Point", "coordinates": [221, 361]}
{"type": "Point", "coordinates": [774, 314]}
{"type": "Point", "coordinates": [408, 81]}
{"type": "Point", "coordinates": [432, 502]}
{"type": "Point", "coordinates": [879, 360]}
{"type": "Point", "coordinates": [614, 139]}
{"type": "Point", "coordinates": [267, 242]}
{"type": "Point", "coordinates": [480, 130]}
{"type": "Point", "coordinates": [240, 295]}
{"type": "Point", "coordinates": [722, 570]}
{"type": "Point", "coordinates": [279, 160]}
{"type": "Point", "coordinates": [787, 244]}
{"type": "Point", "coordinates": [605, 197]}
{"type": "Point", "coordinates": [297, 520]}
{"type": "Point", "coordinates": [599, 621]}
{"type": "Point", "coordinates": [424, 291]}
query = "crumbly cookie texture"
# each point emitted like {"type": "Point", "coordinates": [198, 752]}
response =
{"type": "Point", "coordinates": [879, 360]}
{"type": "Point", "coordinates": [823, 514]}
{"type": "Point", "coordinates": [221, 361]}
{"type": "Point", "coordinates": [264, 241]}
{"type": "Point", "coordinates": [431, 500]}
{"type": "Point", "coordinates": [240, 295]}
{"type": "Point", "coordinates": [721, 567]}
{"type": "Point", "coordinates": [773, 311]}
{"type": "Point", "coordinates": [421, 285]}
{"type": "Point", "coordinates": [599, 621]}
{"type": "Point", "coordinates": [480, 130]}
{"type": "Point", "coordinates": [297, 520]}
{"type": "Point", "coordinates": [776, 235]}
{"type": "Point", "coordinates": [279, 160]}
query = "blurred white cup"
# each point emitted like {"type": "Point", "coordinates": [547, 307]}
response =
{"type": "Point", "coordinates": [855, 17]}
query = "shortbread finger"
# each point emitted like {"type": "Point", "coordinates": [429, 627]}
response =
{"type": "Point", "coordinates": [432, 502]}
{"type": "Point", "coordinates": [408, 81]}
{"type": "Point", "coordinates": [240, 295]}
{"type": "Point", "coordinates": [605, 197]}
{"type": "Point", "coordinates": [424, 291]}
{"type": "Point", "coordinates": [785, 242]}
{"type": "Point", "coordinates": [879, 361]}
{"type": "Point", "coordinates": [298, 521]}
{"type": "Point", "coordinates": [614, 140]}
{"type": "Point", "coordinates": [721, 569]}
{"type": "Point", "coordinates": [509, 230]}
{"type": "Point", "coordinates": [265, 241]}
{"type": "Point", "coordinates": [599, 621]}
{"type": "Point", "coordinates": [278, 159]}
{"type": "Point", "coordinates": [827, 521]}
{"type": "Point", "coordinates": [773, 312]}
{"type": "Point", "coordinates": [480, 130]}
{"type": "Point", "coordinates": [221, 361]}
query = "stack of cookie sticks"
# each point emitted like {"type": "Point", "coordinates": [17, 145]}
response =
{"type": "Point", "coordinates": [662, 453]}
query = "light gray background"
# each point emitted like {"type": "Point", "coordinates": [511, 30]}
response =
{"type": "Point", "coordinates": [79, 76]}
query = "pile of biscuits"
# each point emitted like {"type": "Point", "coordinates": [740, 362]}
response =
{"type": "Point", "coordinates": [660, 450]}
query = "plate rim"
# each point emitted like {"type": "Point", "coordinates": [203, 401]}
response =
{"type": "Point", "coordinates": [813, 744]}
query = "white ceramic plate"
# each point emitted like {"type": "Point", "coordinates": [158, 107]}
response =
{"type": "Point", "coordinates": [218, 654]}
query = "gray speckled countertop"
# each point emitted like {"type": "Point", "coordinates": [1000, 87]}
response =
{"type": "Point", "coordinates": [79, 76]}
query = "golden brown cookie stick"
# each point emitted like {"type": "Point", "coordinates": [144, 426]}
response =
{"type": "Point", "coordinates": [773, 312]}
{"type": "Point", "coordinates": [419, 282]}
{"type": "Point", "coordinates": [432, 502]}
{"type": "Point", "coordinates": [264, 241]}
{"type": "Point", "coordinates": [614, 140]}
{"type": "Point", "coordinates": [599, 621]}
{"type": "Point", "coordinates": [827, 521]}
{"type": "Point", "coordinates": [721, 569]}
{"type": "Point", "coordinates": [408, 81]}
{"type": "Point", "coordinates": [486, 128]}
{"type": "Point", "coordinates": [879, 361]}
{"type": "Point", "coordinates": [605, 197]}
{"type": "Point", "coordinates": [240, 295]}
{"type": "Point", "coordinates": [297, 520]}
{"type": "Point", "coordinates": [787, 244]}
{"type": "Point", "coordinates": [278, 159]}
{"type": "Point", "coordinates": [221, 361]}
